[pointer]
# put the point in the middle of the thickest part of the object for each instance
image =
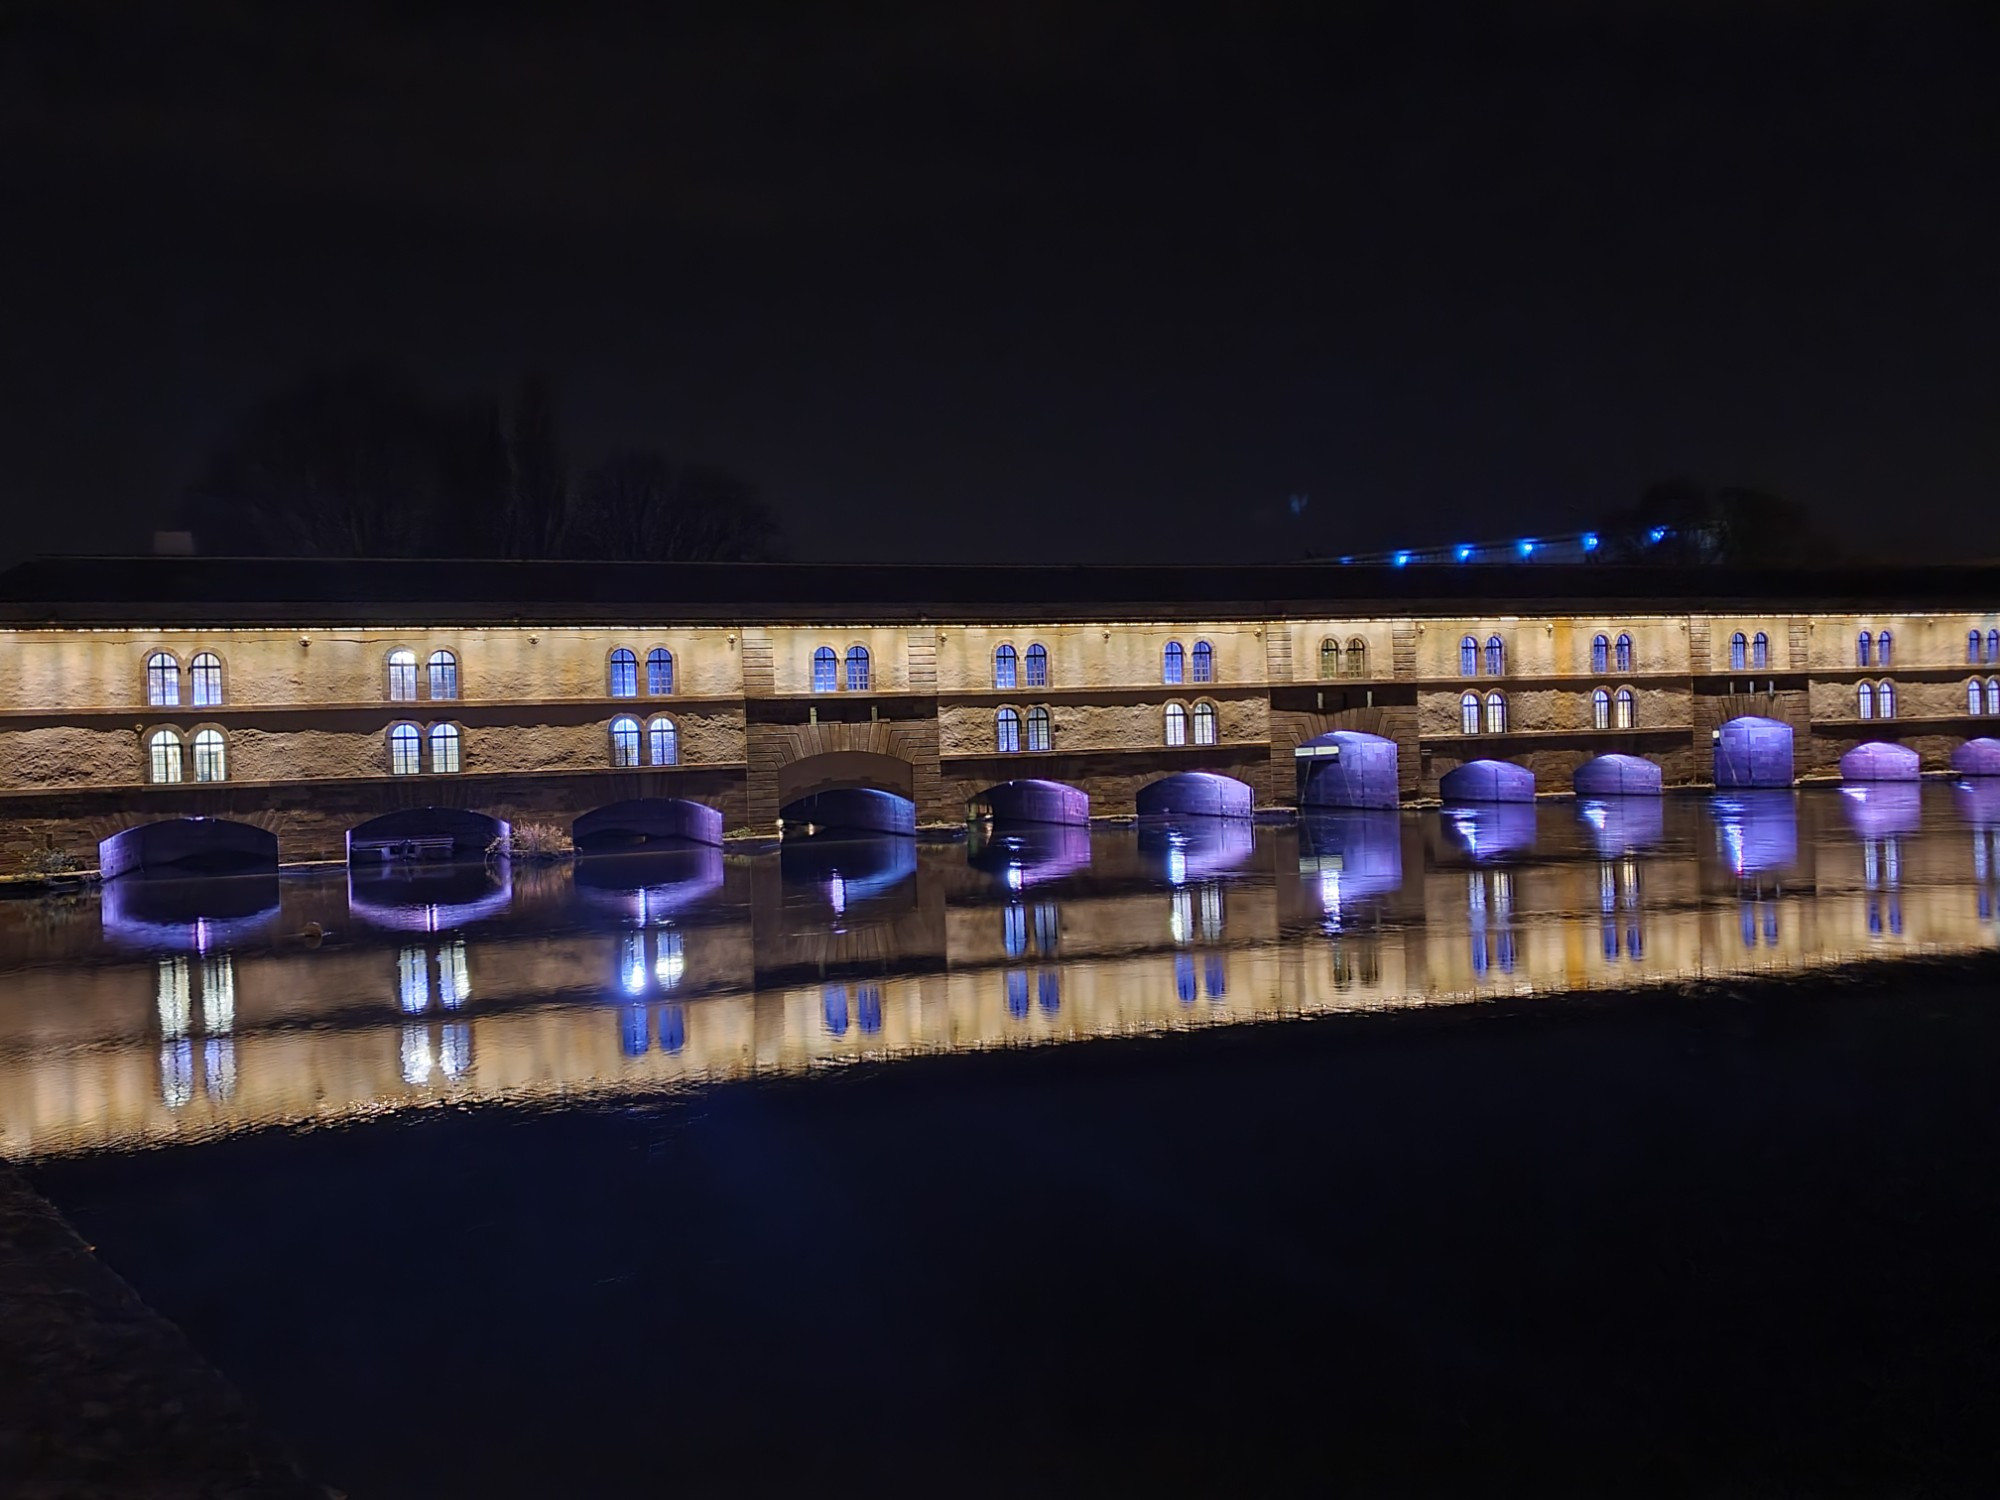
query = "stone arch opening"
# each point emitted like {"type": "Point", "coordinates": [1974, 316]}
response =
{"type": "Point", "coordinates": [1880, 760]}
{"type": "Point", "coordinates": [1979, 757]}
{"type": "Point", "coordinates": [643, 822]}
{"type": "Point", "coordinates": [1195, 794]}
{"type": "Point", "coordinates": [415, 834]}
{"type": "Point", "coordinates": [1029, 800]}
{"type": "Point", "coordinates": [189, 846]}
{"type": "Point", "coordinates": [1618, 776]}
{"type": "Point", "coordinates": [1346, 768]}
{"type": "Point", "coordinates": [1487, 781]}
{"type": "Point", "coordinates": [1751, 751]}
{"type": "Point", "coordinates": [848, 791]}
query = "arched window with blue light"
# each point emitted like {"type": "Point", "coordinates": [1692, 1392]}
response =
{"type": "Point", "coordinates": [1357, 657]}
{"type": "Point", "coordinates": [1041, 729]}
{"type": "Point", "coordinates": [1885, 700]}
{"type": "Point", "coordinates": [211, 756]}
{"type": "Point", "coordinates": [857, 669]}
{"type": "Point", "coordinates": [406, 750]}
{"type": "Point", "coordinates": [1173, 663]}
{"type": "Point", "coordinates": [163, 751]}
{"type": "Point", "coordinates": [1176, 724]}
{"type": "Point", "coordinates": [1006, 667]}
{"type": "Point", "coordinates": [1496, 714]}
{"type": "Point", "coordinates": [1468, 714]}
{"type": "Point", "coordinates": [1993, 645]}
{"type": "Point", "coordinates": [659, 672]}
{"type": "Point", "coordinates": [826, 670]}
{"type": "Point", "coordinates": [1205, 720]}
{"type": "Point", "coordinates": [1007, 730]}
{"type": "Point", "coordinates": [1038, 665]}
{"type": "Point", "coordinates": [1624, 653]}
{"type": "Point", "coordinates": [1972, 695]}
{"type": "Point", "coordinates": [402, 676]}
{"type": "Point", "coordinates": [1760, 650]}
{"type": "Point", "coordinates": [205, 671]}
{"type": "Point", "coordinates": [624, 674]}
{"type": "Point", "coordinates": [1496, 656]}
{"type": "Point", "coordinates": [1600, 654]}
{"type": "Point", "coordinates": [1993, 695]}
{"type": "Point", "coordinates": [1864, 649]}
{"type": "Point", "coordinates": [663, 741]}
{"type": "Point", "coordinates": [1972, 648]}
{"type": "Point", "coordinates": [1204, 662]}
{"type": "Point", "coordinates": [1883, 644]}
{"type": "Point", "coordinates": [1329, 657]}
{"type": "Point", "coordinates": [1600, 708]}
{"type": "Point", "coordinates": [163, 681]}
{"type": "Point", "coordinates": [443, 672]}
{"type": "Point", "coordinates": [1739, 651]}
{"type": "Point", "coordinates": [445, 743]}
{"type": "Point", "coordinates": [1864, 700]}
{"type": "Point", "coordinates": [1625, 706]}
{"type": "Point", "coordinates": [624, 742]}
{"type": "Point", "coordinates": [1468, 657]}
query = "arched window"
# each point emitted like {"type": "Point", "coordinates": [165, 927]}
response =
{"type": "Point", "coordinates": [1173, 663]}
{"type": "Point", "coordinates": [1600, 706]}
{"type": "Point", "coordinates": [1885, 700]}
{"type": "Point", "coordinates": [206, 672]}
{"type": "Point", "coordinates": [1496, 656]}
{"type": "Point", "coordinates": [211, 758]}
{"type": "Point", "coordinates": [1005, 668]}
{"type": "Point", "coordinates": [1864, 700]}
{"type": "Point", "coordinates": [624, 674]}
{"type": "Point", "coordinates": [1600, 654]}
{"type": "Point", "coordinates": [1627, 709]}
{"type": "Point", "coordinates": [163, 680]}
{"type": "Point", "coordinates": [402, 677]}
{"type": "Point", "coordinates": [1038, 665]}
{"type": "Point", "coordinates": [1739, 651]}
{"type": "Point", "coordinates": [1041, 729]}
{"type": "Point", "coordinates": [663, 742]}
{"type": "Point", "coordinates": [659, 672]}
{"type": "Point", "coordinates": [1204, 723]}
{"type": "Point", "coordinates": [1760, 650]}
{"type": "Point", "coordinates": [1864, 649]}
{"type": "Point", "coordinates": [1204, 662]}
{"type": "Point", "coordinates": [406, 750]}
{"type": "Point", "coordinates": [1993, 695]}
{"type": "Point", "coordinates": [1329, 657]}
{"type": "Point", "coordinates": [624, 741]}
{"type": "Point", "coordinates": [1007, 730]}
{"type": "Point", "coordinates": [857, 669]}
{"type": "Point", "coordinates": [1972, 647]}
{"type": "Point", "coordinates": [444, 749]}
{"type": "Point", "coordinates": [826, 670]}
{"type": "Point", "coordinates": [163, 753]}
{"type": "Point", "coordinates": [1176, 724]}
{"type": "Point", "coordinates": [1468, 657]}
{"type": "Point", "coordinates": [1883, 644]}
{"type": "Point", "coordinates": [1357, 657]}
{"type": "Point", "coordinates": [1496, 714]}
{"type": "Point", "coordinates": [1971, 698]}
{"type": "Point", "coordinates": [1993, 645]}
{"type": "Point", "coordinates": [442, 669]}
{"type": "Point", "coordinates": [1468, 714]}
{"type": "Point", "coordinates": [1624, 653]}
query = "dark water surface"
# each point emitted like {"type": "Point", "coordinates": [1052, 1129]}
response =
{"type": "Point", "coordinates": [653, 1176]}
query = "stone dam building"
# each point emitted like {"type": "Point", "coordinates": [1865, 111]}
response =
{"type": "Point", "coordinates": [191, 710]}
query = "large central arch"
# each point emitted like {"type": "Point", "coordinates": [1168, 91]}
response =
{"type": "Point", "coordinates": [858, 791]}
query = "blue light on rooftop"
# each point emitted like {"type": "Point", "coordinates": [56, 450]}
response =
{"type": "Point", "coordinates": [1590, 541]}
{"type": "Point", "coordinates": [1527, 546]}
{"type": "Point", "coordinates": [1402, 559]}
{"type": "Point", "coordinates": [1463, 553]}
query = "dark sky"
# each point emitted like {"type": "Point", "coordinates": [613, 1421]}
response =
{"type": "Point", "coordinates": [1043, 281]}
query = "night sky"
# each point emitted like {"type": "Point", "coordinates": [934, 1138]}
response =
{"type": "Point", "coordinates": [1052, 281]}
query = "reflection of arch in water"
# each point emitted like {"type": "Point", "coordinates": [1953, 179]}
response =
{"type": "Point", "coordinates": [429, 898]}
{"type": "Point", "coordinates": [1978, 801]}
{"type": "Point", "coordinates": [1025, 854]}
{"type": "Point", "coordinates": [1617, 776]}
{"type": "Point", "coordinates": [1619, 825]}
{"type": "Point", "coordinates": [849, 874]}
{"type": "Point", "coordinates": [1487, 781]}
{"type": "Point", "coordinates": [1980, 757]}
{"type": "Point", "coordinates": [1346, 768]}
{"type": "Point", "coordinates": [1879, 760]}
{"type": "Point", "coordinates": [1757, 832]}
{"type": "Point", "coordinates": [1491, 830]}
{"type": "Point", "coordinates": [1029, 800]}
{"type": "Point", "coordinates": [1199, 848]}
{"type": "Point", "coordinates": [190, 916]}
{"type": "Point", "coordinates": [850, 791]}
{"type": "Point", "coordinates": [648, 820]}
{"type": "Point", "coordinates": [412, 834]}
{"type": "Point", "coordinates": [653, 886]}
{"type": "Point", "coordinates": [1195, 794]}
{"type": "Point", "coordinates": [190, 845]}
{"type": "Point", "coordinates": [1875, 810]}
{"type": "Point", "coordinates": [1753, 752]}
{"type": "Point", "coordinates": [1353, 853]}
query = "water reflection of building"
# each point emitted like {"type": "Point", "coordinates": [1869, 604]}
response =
{"type": "Point", "coordinates": [182, 985]}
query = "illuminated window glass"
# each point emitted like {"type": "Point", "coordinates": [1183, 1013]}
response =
{"type": "Point", "coordinates": [624, 741]}
{"type": "Point", "coordinates": [659, 672]}
{"type": "Point", "coordinates": [1864, 649]}
{"type": "Point", "coordinates": [1468, 657]}
{"type": "Point", "coordinates": [857, 669]}
{"type": "Point", "coordinates": [1739, 651]}
{"type": "Point", "coordinates": [1496, 656]}
{"type": "Point", "coordinates": [1496, 714]}
{"type": "Point", "coordinates": [1600, 707]}
{"type": "Point", "coordinates": [443, 672]}
{"type": "Point", "coordinates": [1006, 667]}
{"type": "Point", "coordinates": [211, 761]}
{"type": "Point", "coordinates": [1624, 653]}
{"type": "Point", "coordinates": [1014, 929]}
{"type": "Point", "coordinates": [1883, 644]}
{"type": "Point", "coordinates": [1204, 662]}
{"type": "Point", "coordinates": [1760, 650]}
{"type": "Point", "coordinates": [406, 746]}
{"type": "Point", "coordinates": [1007, 731]}
{"type": "Point", "coordinates": [1173, 663]}
{"type": "Point", "coordinates": [1204, 723]}
{"type": "Point", "coordinates": [1600, 654]}
{"type": "Point", "coordinates": [1041, 729]}
{"type": "Point", "coordinates": [833, 1009]}
{"type": "Point", "coordinates": [1468, 714]}
{"type": "Point", "coordinates": [163, 751]}
{"type": "Point", "coordinates": [1626, 706]}
{"type": "Point", "coordinates": [663, 742]}
{"type": "Point", "coordinates": [402, 676]}
{"type": "Point", "coordinates": [444, 749]}
{"type": "Point", "coordinates": [1885, 700]}
{"type": "Point", "coordinates": [206, 673]}
{"type": "Point", "coordinates": [624, 674]}
{"type": "Point", "coordinates": [1864, 700]}
{"type": "Point", "coordinates": [1971, 699]}
{"type": "Point", "coordinates": [1993, 695]}
{"type": "Point", "coordinates": [1357, 657]}
{"type": "Point", "coordinates": [1972, 647]}
{"type": "Point", "coordinates": [1038, 666]}
{"type": "Point", "coordinates": [163, 680]}
{"type": "Point", "coordinates": [826, 670]}
{"type": "Point", "coordinates": [1993, 645]}
{"type": "Point", "coordinates": [1176, 724]}
{"type": "Point", "coordinates": [1329, 657]}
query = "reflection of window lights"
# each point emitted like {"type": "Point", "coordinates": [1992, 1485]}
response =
{"type": "Point", "coordinates": [1211, 912]}
{"type": "Point", "coordinates": [454, 978]}
{"type": "Point", "coordinates": [455, 1049]}
{"type": "Point", "coordinates": [669, 959]}
{"type": "Point", "coordinates": [218, 994]}
{"type": "Point", "coordinates": [413, 980]}
{"type": "Point", "coordinates": [1014, 929]}
{"type": "Point", "coordinates": [176, 1003]}
{"type": "Point", "coordinates": [219, 1068]}
{"type": "Point", "coordinates": [1180, 916]}
{"type": "Point", "coordinates": [1184, 989]}
{"type": "Point", "coordinates": [632, 963]}
{"type": "Point", "coordinates": [1048, 991]}
{"type": "Point", "coordinates": [673, 1028]}
{"type": "Point", "coordinates": [868, 1009]}
{"type": "Point", "coordinates": [635, 1031]}
{"type": "Point", "coordinates": [177, 1072]}
{"type": "Point", "coordinates": [1215, 973]}
{"type": "Point", "coordinates": [417, 1062]}
{"type": "Point", "coordinates": [1017, 993]}
{"type": "Point", "coordinates": [1048, 927]}
{"type": "Point", "coordinates": [833, 1009]}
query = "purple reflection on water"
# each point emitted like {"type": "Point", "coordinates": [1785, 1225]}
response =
{"type": "Point", "coordinates": [1179, 850]}
{"type": "Point", "coordinates": [1353, 854]}
{"type": "Point", "coordinates": [649, 887]}
{"type": "Point", "coordinates": [1020, 855]}
{"type": "Point", "coordinates": [429, 898]}
{"type": "Point", "coordinates": [189, 916]}
{"type": "Point", "coordinates": [1756, 832]}
{"type": "Point", "coordinates": [1619, 825]}
{"type": "Point", "coordinates": [1491, 831]}
{"type": "Point", "coordinates": [1978, 801]}
{"type": "Point", "coordinates": [1877, 809]}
